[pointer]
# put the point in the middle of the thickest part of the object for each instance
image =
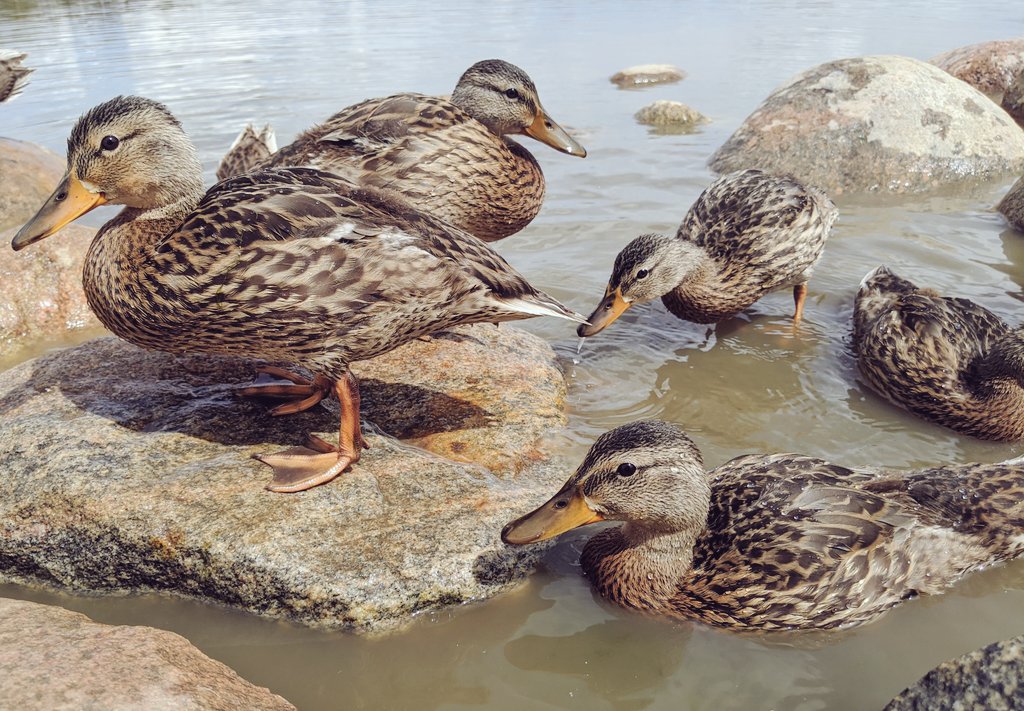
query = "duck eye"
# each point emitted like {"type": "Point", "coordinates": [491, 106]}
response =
{"type": "Point", "coordinates": [109, 143]}
{"type": "Point", "coordinates": [512, 93]}
{"type": "Point", "coordinates": [642, 273]}
{"type": "Point", "coordinates": [626, 469]}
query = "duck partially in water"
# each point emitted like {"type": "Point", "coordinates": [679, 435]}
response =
{"type": "Point", "coordinates": [774, 542]}
{"type": "Point", "coordinates": [948, 360]}
{"type": "Point", "coordinates": [451, 157]}
{"type": "Point", "coordinates": [749, 233]}
{"type": "Point", "coordinates": [13, 75]}
{"type": "Point", "coordinates": [290, 264]}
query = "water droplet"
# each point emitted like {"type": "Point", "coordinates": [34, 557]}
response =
{"type": "Point", "coordinates": [579, 346]}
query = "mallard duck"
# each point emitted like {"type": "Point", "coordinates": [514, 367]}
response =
{"type": "Point", "coordinates": [449, 157]}
{"type": "Point", "coordinates": [748, 234]}
{"type": "Point", "coordinates": [948, 360]}
{"type": "Point", "coordinates": [13, 76]}
{"type": "Point", "coordinates": [249, 150]}
{"type": "Point", "coordinates": [291, 264]}
{"type": "Point", "coordinates": [777, 541]}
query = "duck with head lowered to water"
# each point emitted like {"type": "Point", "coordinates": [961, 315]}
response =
{"type": "Point", "coordinates": [289, 264]}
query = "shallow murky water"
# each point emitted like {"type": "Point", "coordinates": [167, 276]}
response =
{"type": "Point", "coordinates": [753, 384]}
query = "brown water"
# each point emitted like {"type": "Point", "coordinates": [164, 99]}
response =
{"type": "Point", "coordinates": [753, 384]}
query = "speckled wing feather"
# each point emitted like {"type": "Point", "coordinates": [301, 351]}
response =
{"type": "Point", "coordinates": [13, 76]}
{"type": "Point", "coordinates": [923, 351]}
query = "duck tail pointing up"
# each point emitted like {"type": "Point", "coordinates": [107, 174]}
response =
{"type": "Point", "coordinates": [540, 304]}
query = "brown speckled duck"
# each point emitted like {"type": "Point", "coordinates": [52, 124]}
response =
{"type": "Point", "coordinates": [449, 157]}
{"type": "Point", "coordinates": [13, 76]}
{"type": "Point", "coordinates": [775, 542]}
{"type": "Point", "coordinates": [248, 151]}
{"type": "Point", "coordinates": [948, 360]}
{"type": "Point", "coordinates": [749, 233]}
{"type": "Point", "coordinates": [290, 264]}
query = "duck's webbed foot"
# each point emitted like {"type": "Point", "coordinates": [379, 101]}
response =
{"type": "Point", "coordinates": [301, 395]}
{"type": "Point", "coordinates": [300, 468]}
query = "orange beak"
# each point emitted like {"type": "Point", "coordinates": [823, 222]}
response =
{"type": "Point", "coordinates": [69, 201]}
{"type": "Point", "coordinates": [545, 130]}
{"type": "Point", "coordinates": [566, 510]}
{"type": "Point", "coordinates": [611, 307]}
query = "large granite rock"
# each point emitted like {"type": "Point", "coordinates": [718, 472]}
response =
{"type": "Point", "coordinates": [876, 123]}
{"type": "Point", "coordinates": [28, 174]}
{"type": "Point", "coordinates": [56, 660]}
{"type": "Point", "coordinates": [125, 469]}
{"type": "Point", "coordinates": [991, 678]}
{"type": "Point", "coordinates": [994, 68]}
{"type": "Point", "coordinates": [1012, 205]}
{"type": "Point", "coordinates": [41, 288]}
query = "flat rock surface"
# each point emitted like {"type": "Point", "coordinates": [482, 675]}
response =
{"type": "Point", "coordinates": [879, 123]}
{"type": "Point", "coordinates": [54, 659]}
{"type": "Point", "coordinates": [994, 68]}
{"type": "Point", "coordinates": [647, 75]}
{"type": "Point", "coordinates": [28, 174]}
{"type": "Point", "coordinates": [41, 288]}
{"type": "Point", "coordinates": [1012, 205]}
{"type": "Point", "coordinates": [132, 470]}
{"type": "Point", "coordinates": [991, 678]}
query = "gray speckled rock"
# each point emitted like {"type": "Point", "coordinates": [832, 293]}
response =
{"type": "Point", "coordinates": [28, 174]}
{"type": "Point", "coordinates": [667, 114]}
{"type": "Point", "coordinates": [125, 469]}
{"type": "Point", "coordinates": [992, 68]}
{"type": "Point", "coordinates": [41, 288]}
{"type": "Point", "coordinates": [56, 660]}
{"type": "Point", "coordinates": [991, 678]}
{"type": "Point", "coordinates": [1012, 205]}
{"type": "Point", "coordinates": [647, 75]}
{"type": "Point", "coordinates": [876, 123]}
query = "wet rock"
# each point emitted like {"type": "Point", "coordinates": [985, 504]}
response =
{"type": "Point", "coordinates": [990, 678]}
{"type": "Point", "coordinates": [41, 288]}
{"type": "Point", "coordinates": [55, 659]}
{"type": "Point", "coordinates": [670, 114]}
{"type": "Point", "coordinates": [876, 123]}
{"type": "Point", "coordinates": [647, 75]}
{"type": "Point", "coordinates": [28, 174]}
{"type": "Point", "coordinates": [1012, 205]}
{"type": "Point", "coordinates": [126, 470]}
{"type": "Point", "coordinates": [993, 68]}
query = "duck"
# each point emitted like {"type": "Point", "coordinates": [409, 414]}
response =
{"type": "Point", "coordinates": [453, 158]}
{"type": "Point", "coordinates": [774, 542]}
{"type": "Point", "coordinates": [948, 360]}
{"type": "Point", "coordinates": [250, 148]}
{"type": "Point", "coordinates": [13, 76]}
{"type": "Point", "coordinates": [289, 264]}
{"type": "Point", "coordinates": [749, 233]}
{"type": "Point", "coordinates": [1012, 205]}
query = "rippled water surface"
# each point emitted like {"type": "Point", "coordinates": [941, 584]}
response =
{"type": "Point", "coordinates": [752, 384]}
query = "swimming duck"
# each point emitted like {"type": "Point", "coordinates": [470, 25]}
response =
{"type": "Point", "coordinates": [13, 76]}
{"type": "Point", "coordinates": [778, 541]}
{"type": "Point", "coordinates": [948, 360]}
{"type": "Point", "coordinates": [749, 233]}
{"type": "Point", "coordinates": [449, 157]}
{"type": "Point", "coordinates": [291, 264]}
{"type": "Point", "coordinates": [249, 150]}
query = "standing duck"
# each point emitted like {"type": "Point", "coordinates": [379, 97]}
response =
{"type": "Point", "coordinates": [291, 264]}
{"type": "Point", "coordinates": [774, 542]}
{"type": "Point", "coordinates": [13, 76]}
{"type": "Point", "coordinates": [948, 360]}
{"type": "Point", "coordinates": [449, 157]}
{"type": "Point", "coordinates": [749, 233]}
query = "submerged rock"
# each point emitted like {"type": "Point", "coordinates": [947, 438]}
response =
{"type": "Point", "coordinates": [647, 75]}
{"type": "Point", "coordinates": [1012, 205]}
{"type": "Point", "coordinates": [55, 659]}
{"type": "Point", "coordinates": [670, 114]}
{"type": "Point", "coordinates": [993, 68]}
{"type": "Point", "coordinates": [990, 678]}
{"type": "Point", "coordinates": [876, 123]}
{"type": "Point", "coordinates": [41, 288]}
{"type": "Point", "coordinates": [131, 470]}
{"type": "Point", "coordinates": [28, 174]}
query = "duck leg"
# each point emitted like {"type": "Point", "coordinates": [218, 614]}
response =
{"type": "Point", "coordinates": [301, 395]}
{"type": "Point", "coordinates": [799, 296]}
{"type": "Point", "coordinates": [301, 468]}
